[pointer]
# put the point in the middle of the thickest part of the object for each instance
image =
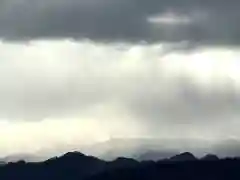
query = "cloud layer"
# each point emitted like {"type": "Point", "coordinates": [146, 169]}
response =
{"type": "Point", "coordinates": [94, 67]}
{"type": "Point", "coordinates": [209, 22]}
{"type": "Point", "coordinates": [65, 91]}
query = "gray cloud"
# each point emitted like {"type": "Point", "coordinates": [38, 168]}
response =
{"type": "Point", "coordinates": [66, 78]}
{"type": "Point", "coordinates": [86, 89]}
{"type": "Point", "coordinates": [180, 101]}
{"type": "Point", "coordinates": [213, 22]}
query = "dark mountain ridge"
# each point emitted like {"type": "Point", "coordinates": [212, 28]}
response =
{"type": "Point", "coordinates": [77, 166]}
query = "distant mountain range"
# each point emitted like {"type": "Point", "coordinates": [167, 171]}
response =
{"type": "Point", "coordinates": [141, 149]}
{"type": "Point", "coordinates": [25, 157]}
{"type": "Point", "coordinates": [77, 166]}
{"type": "Point", "coordinates": [157, 149]}
{"type": "Point", "coordinates": [146, 148]}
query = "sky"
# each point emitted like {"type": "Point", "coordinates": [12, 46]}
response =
{"type": "Point", "coordinates": [78, 72]}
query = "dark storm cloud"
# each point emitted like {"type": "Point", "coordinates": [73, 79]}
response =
{"type": "Point", "coordinates": [212, 22]}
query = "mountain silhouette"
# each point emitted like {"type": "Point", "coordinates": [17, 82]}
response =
{"type": "Point", "coordinates": [146, 148]}
{"type": "Point", "coordinates": [183, 157]}
{"type": "Point", "coordinates": [210, 157]}
{"type": "Point", "coordinates": [155, 155]}
{"type": "Point", "coordinates": [122, 163]}
{"type": "Point", "coordinates": [77, 166]}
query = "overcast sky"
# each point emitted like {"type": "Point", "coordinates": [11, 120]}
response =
{"type": "Point", "coordinates": [76, 72]}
